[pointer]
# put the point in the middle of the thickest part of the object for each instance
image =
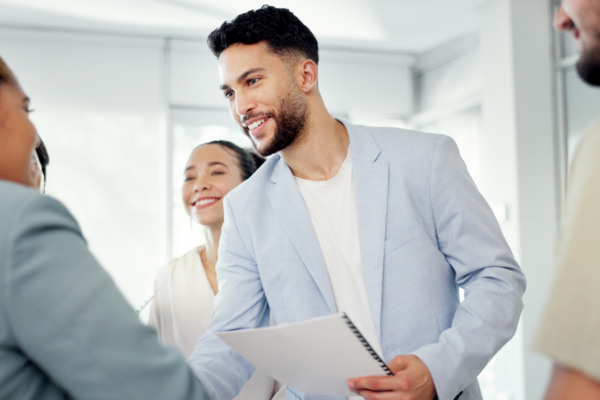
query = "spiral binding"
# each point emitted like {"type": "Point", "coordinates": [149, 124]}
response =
{"type": "Point", "coordinates": [366, 344]}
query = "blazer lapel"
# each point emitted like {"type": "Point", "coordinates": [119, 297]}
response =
{"type": "Point", "coordinates": [371, 190]}
{"type": "Point", "coordinates": [289, 207]}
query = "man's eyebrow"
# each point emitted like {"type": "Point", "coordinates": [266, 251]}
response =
{"type": "Point", "coordinates": [243, 76]}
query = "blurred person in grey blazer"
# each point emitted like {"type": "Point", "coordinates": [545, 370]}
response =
{"type": "Point", "coordinates": [384, 224]}
{"type": "Point", "coordinates": [66, 332]}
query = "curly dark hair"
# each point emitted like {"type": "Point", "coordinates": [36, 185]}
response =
{"type": "Point", "coordinates": [279, 28]}
{"type": "Point", "coordinates": [248, 160]}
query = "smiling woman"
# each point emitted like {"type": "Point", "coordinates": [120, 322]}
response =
{"type": "Point", "coordinates": [180, 311]}
{"type": "Point", "coordinates": [185, 289]}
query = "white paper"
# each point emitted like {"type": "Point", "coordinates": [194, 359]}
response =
{"type": "Point", "coordinates": [316, 356]}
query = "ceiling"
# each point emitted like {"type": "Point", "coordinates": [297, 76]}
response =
{"type": "Point", "coordinates": [407, 26]}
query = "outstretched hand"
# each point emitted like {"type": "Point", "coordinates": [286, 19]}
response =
{"type": "Point", "coordinates": [411, 380]}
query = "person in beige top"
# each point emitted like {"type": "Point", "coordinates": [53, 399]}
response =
{"type": "Point", "coordinates": [570, 328]}
{"type": "Point", "coordinates": [185, 288]}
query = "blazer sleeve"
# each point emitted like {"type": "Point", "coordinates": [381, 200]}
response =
{"type": "Point", "coordinates": [71, 321]}
{"type": "Point", "coordinates": [240, 304]}
{"type": "Point", "coordinates": [471, 240]}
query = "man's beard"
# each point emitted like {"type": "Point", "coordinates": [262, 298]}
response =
{"type": "Point", "coordinates": [588, 66]}
{"type": "Point", "coordinates": [289, 122]}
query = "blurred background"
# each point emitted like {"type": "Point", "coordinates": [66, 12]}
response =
{"type": "Point", "coordinates": [124, 89]}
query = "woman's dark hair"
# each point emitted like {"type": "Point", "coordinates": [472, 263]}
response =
{"type": "Point", "coordinates": [283, 32]}
{"type": "Point", "coordinates": [248, 160]}
{"type": "Point", "coordinates": [43, 157]}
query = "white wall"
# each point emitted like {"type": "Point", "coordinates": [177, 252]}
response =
{"type": "Point", "coordinates": [194, 78]}
{"type": "Point", "coordinates": [448, 76]}
{"type": "Point", "coordinates": [376, 84]}
{"type": "Point", "coordinates": [448, 97]}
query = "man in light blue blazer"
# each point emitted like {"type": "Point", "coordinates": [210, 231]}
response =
{"type": "Point", "coordinates": [65, 330]}
{"type": "Point", "coordinates": [385, 224]}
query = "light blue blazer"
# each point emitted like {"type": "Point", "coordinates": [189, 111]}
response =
{"type": "Point", "coordinates": [424, 229]}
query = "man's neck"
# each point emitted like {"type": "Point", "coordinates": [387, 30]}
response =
{"type": "Point", "coordinates": [319, 152]}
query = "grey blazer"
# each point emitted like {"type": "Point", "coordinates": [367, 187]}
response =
{"type": "Point", "coordinates": [424, 231]}
{"type": "Point", "coordinates": [65, 329]}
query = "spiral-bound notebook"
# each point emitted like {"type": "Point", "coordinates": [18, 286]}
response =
{"type": "Point", "coordinates": [316, 356]}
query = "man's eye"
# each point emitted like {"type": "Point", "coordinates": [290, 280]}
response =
{"type": "Point", "coordinates": [252, 81]}
{"type": "Point", "coordinates": [228, 95]}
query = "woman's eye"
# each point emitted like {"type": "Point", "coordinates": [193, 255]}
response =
{"type": "Point", "coordinates": [218, 173]}
{"type": "Point", "coordinates": [188, 178]}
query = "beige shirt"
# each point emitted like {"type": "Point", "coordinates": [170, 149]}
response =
{"type": "Point", "coordinates": [181, 312]}
{"type": "Point", "coordinates": [570, 328]}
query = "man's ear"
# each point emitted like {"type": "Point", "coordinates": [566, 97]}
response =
{"type": "Point", "coordinates": [308, 74]}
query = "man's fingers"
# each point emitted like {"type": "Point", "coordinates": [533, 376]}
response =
{"type": "Point", "coordinates": [379, 383]}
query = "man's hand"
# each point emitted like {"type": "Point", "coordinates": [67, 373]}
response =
{"type": "Point", "coordinates": [411, 380]}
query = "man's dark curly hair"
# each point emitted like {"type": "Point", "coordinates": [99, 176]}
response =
{"type": "Point", "coordinates": [283, 32]}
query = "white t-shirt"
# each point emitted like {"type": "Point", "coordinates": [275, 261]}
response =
{"type": "Point", "coordinates": [332, 208]}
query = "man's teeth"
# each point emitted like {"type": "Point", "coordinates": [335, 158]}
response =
{"type": "Point", "coordinates": [255, 124]}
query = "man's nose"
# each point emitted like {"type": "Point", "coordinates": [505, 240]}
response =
{"type": "Point", "coordinates": [562, 22]}
{"type": "Point", "coordinates": [243, 105]}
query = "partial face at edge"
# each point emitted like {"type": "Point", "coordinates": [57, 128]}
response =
{"type": "Point", "coordinates": [18, 136]}
{"type": "Point", "coordinates": [264, 96]}
{"type": "Point", "coordinates": [582, 17]}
